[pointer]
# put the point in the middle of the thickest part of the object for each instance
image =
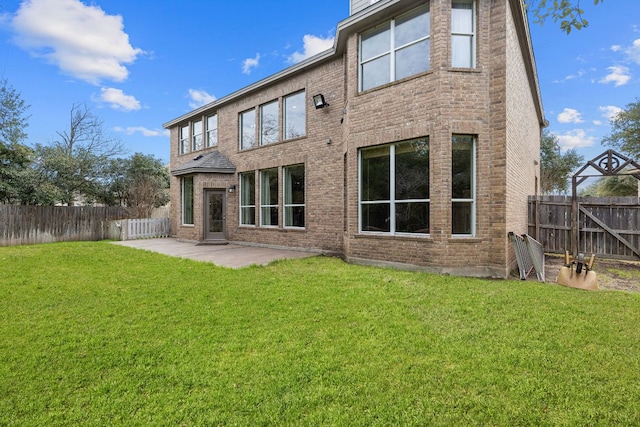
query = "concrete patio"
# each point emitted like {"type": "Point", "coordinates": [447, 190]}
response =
{"type": "Point", "coordinates": [231, 255]}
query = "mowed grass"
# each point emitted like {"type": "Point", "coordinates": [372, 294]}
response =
{"type": "Point", "coordinates": [96, 334]}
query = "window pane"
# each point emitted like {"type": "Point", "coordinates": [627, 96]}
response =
{"type": "Point", "coordinates": [462, 17]}
{"type": "Point", "coordinates": [295, 116]}
{"type": "Point", "coordinates": [375, 174]}
{"type": "Point", "coordinates": [461, 214]}
{"type": "Point", "coordinates": [187, 200]}
{"type": "Point", "coordinates": [375, 42]}
{"type": "Point", "coordinates": [269, 131]}
{"type": "Point", "coordinates": [212, 130]}
{"type": "Point", "coordinates": [269, 197]}
{"type": "Point", "coordinates": [412, 217]}
{"type": "Point", "coordinates": [197, 135]}
{"type": "Point", "coordinates": [294, 216]}
{"type": "Point", "coordinates": [413, 59]}
{"type": "Point", "coordinates": [247, 129]}
{"type": "Point", "coordinates": [376, 72]}
{"type": "Point", "coordinates": [412, 26]}
{"type": "Point", "coordinates": [412, 170]}
{"type": "Point", "coordinates": [184, 139]}
{"type": "Point", "coordinates": [461, 51]}
{"type": "Point", "coordinates": [294, 193]}
{"type": "Point", "coordinates": [462, 167]}
{"type": "Point", "coordinates": [375, 217]}
{"type": "Point", "coordinates": [248, 198]}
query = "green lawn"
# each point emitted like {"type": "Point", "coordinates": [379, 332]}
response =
{"type": "Point", "coordinates": [95, 334]}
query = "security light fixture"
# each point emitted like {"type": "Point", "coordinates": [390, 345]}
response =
{"type": "Point", "coordinates": [319, 102]}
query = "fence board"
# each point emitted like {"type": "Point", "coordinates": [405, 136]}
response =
{"type": "Point", "coordinates": [22, 225]}
{"type": "Point", "coordinates": [608, 226]}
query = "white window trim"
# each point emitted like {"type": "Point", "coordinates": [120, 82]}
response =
{"type": "Point", "coordinates": [292, 205]}
{"type": "Point", "coordinates": [240, 192]}
{"type": "Point", "coordinates": [473, 194]}
{"type": "Point", "coordinates": [277, 205]}
{"type": "Point", "coordinates": [209, 132]}
{"type": "Point", "coordinates": [194, 136]}
{"type": "Point", "coordinates": [391, 52]}
{"type": "Point", "coordinates": [184, 140]}
{"type": "Point", "coordinates": [392, 201]}
{"type": "Point", "coordinates": [472, 34]}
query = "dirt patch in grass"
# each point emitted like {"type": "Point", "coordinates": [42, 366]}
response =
{"type": "Point", "coordinates": [612, 274]}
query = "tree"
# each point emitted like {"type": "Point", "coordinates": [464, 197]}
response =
{"type": "Point", "coordinates": [568, 12]}
{"type": "Point", "coordinates": [140, 183]}
{"type": "Point", "coordinates": [625, 131]}
{"type": "Point", "coordinates": [76, 161]}
{"type": "Point", "coordinates": [14, 156]}
{"type": "Point", "coordinates": [555, 166]}
{"type": "Point", "coordinates": [612, 186]}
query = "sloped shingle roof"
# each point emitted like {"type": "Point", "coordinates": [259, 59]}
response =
{"type": "Point", "coordinates": [213, 162]}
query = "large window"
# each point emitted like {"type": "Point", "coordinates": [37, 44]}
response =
{"type": "Point", "coordinates": [269, 197]}
{"type": "Point", "coordinates": [294, 196]}
{"type": "Point", "coordinates": [184, 139]}
{"type": "Point", "coordinates": [248, 198]}
{"type": "Point", "coordinates": [187, 200]}
{"type": "Point", "coordinates": [295, 116]}
{"type": "Point", "coordinates": [196, 135]}
{"type": "Point", "coordinates": [247, 129]}
{"type": "Point", "coordinates": [269, 130]}
{"type": "Point", "coordinates": [463, 185]}
{"type": "Point", "coordinates": [463, 28]}
{"type": "Point", "coordinates": [212, 130]}
{"type": "Point", "coordinates": [397, 49]}
{"type": "Point", "coordinates": [394, 188]}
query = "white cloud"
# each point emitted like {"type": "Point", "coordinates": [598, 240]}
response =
{"type": "Point", "coordinates": [118, 100]}
{"type": "Point", "coordinates": [576, 138]}
{"type": "Point", "coordinates": [569, 115]}
{"type": "Point", "coordinates": [312, 45]}
{"type": "Point", "coordinates": [616, 48]}
{"type": "Point", "coordinates": [130, 130]}
{"type": "Point", "coordinates": [83, 41]}
{"type": "Point", "coordinates": [609, 111]}
{"type": "Point", "coordinates": [250, 63]}
{"type": "Point", "coordinates": [199, 98]}
{"type": "Point", "coordinates": [618, 75]}
{"type": "Point", "coordinates": [633, 51]}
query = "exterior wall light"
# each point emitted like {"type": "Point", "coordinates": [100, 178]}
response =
{"type": "Point", "coordinates": [319, 102]}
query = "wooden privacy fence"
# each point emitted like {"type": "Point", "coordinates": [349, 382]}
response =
{"type": "Point", "coordinates": [22, 225]}
{"type": "Point", "coordinates": [607, 226]}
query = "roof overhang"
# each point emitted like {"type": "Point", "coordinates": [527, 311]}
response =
{"type": "Point", "coordinates": [213, 162]}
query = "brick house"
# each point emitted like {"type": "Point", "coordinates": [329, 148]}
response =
{"type": "Point", "coordinates": [419, 154]}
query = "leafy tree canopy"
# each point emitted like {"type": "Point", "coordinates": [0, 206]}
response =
{"type": "Point", "coordinates": [556, 166]}
{"type": "Point", "coordinates": [625, 131]}
{"type": "Point", "coordinates": [567, 12]}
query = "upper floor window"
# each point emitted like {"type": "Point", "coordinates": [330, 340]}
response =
{"type": "Point", "coordinates": [269, 130]}
{"type": "Point", "coordinates": [463, 29]}
{"type": "Point", "coordinates": [463, 185]}
{"type": "Point", "coordinates": [247, 129]}
{"type": "Point", "coordinates": [184, 139]}
{"type": "Point", "coordinates": [196, 136]}
{"type": "Point", "coordinates": [295, 116]}
{"type": "Point", "coordinates": [212, 130]}
{"type": "Point", "coordinates": [396, 49]}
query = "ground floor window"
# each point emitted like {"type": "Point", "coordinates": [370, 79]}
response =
{"type": "Point", "coordinates": [187, 200]}
{"type": "Point", "coordinates": [269, 197]}
{"type": "Point", "coordinates": [394, 188]}
{"type": "Point", "coordinates": [463, 185]}
{"type": "Point", "coordinates": [248, 198]}
{"type": "Point", "coordinates": [294, 200]}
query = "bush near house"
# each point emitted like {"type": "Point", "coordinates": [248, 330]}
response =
{"type": "Point", "coordinates": [98, 334]}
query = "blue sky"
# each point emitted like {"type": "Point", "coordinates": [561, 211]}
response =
{"type": "Point", "coordinates": [138, 64]}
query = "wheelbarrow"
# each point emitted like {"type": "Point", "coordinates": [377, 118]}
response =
{"type": "Point", "coordinates": [578, 273]}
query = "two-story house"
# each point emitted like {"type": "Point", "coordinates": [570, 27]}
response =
{"type": "Point", "coordinates": [413, 142]}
